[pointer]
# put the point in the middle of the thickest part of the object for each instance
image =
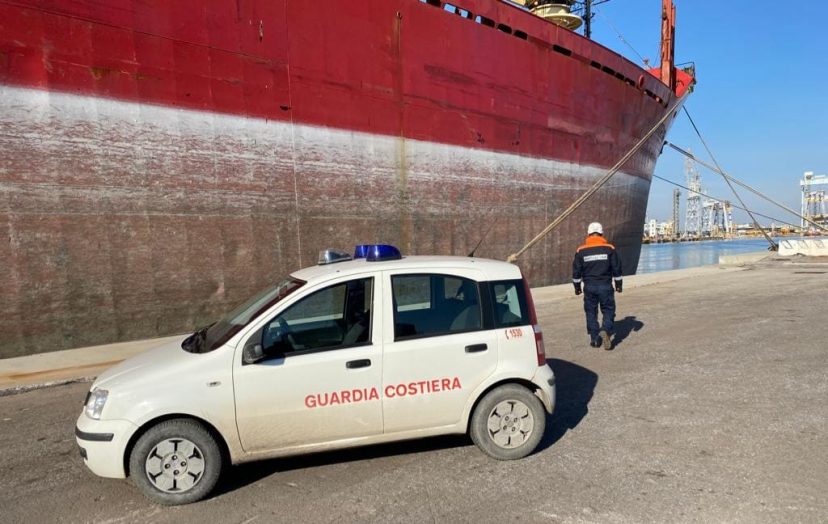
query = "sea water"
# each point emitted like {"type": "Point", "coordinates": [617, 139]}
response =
{"type": "Point", "coordinates": [680, 255]}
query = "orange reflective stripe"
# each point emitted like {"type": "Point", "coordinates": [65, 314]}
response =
{"type": "Point", "coordinates": [595, 241]}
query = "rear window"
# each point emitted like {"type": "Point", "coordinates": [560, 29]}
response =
{"type": "Point", "coordinates": [509, 303]}
{"type": "Point", "coordinates": [430, 304]}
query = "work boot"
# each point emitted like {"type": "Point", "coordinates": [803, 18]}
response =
{"type": "Point", "coordinates": [595, 342]}
{"type": "Point", "coordinates": [605, 339]}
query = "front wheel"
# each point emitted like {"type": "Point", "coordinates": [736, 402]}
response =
{"type": "Point", "coordinates": [508, 423]}
{"type": "Point", "coordinates": [176, 462]}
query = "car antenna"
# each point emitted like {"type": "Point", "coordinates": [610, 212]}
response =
{"type": "Point", "coordinates": [482, 238]}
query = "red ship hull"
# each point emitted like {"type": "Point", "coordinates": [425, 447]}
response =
{"type": "Point", "coordinates": [162, 160]}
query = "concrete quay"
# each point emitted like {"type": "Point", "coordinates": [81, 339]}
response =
{"type": "Point", "coordinates": [711, 408]}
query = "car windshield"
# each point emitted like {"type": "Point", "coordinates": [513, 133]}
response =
{"type": "Point", "coordinates": [218, 333]}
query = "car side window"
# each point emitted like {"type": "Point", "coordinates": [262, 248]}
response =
{"type": "Point", "coordinates": [430, 305]}
{"type": "Point", "coordinates": [337, 316]}
{"type": "Point", "coordinates": [509, 303]}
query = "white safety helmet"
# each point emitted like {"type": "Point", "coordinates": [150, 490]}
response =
{"type": "Point", "coordinates": [595, 227]}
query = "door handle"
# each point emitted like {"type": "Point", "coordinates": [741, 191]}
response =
{"type": "Point", "coordinates": [361, 363]}
{"type": "Point", "coordinates": [476, 348]}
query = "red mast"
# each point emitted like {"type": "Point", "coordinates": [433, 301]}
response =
{"type": "Point", "coordinates": [668, 43]}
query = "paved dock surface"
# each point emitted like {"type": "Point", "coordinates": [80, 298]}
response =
{"type": "Point", "coordinates": [712, 408]}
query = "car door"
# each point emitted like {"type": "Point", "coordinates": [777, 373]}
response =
{"type": "Point", "coordinates": [437, 347]}
{"type": "Point", "coordinates": [320, 378]}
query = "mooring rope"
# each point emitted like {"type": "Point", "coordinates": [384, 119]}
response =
{"type": "Point", "coordinates": [603, 180]}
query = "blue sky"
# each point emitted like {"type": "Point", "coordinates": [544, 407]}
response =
{"type": "Point", "coordinates": [761, 101]}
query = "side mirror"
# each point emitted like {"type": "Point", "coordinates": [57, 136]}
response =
{"type": "Point", "coordinates": [252, 353]}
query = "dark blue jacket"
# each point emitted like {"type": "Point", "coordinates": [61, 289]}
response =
{"type": "Point", "coordinates": [596, 262]}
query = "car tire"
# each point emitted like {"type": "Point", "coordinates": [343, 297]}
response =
{"type": "Point", "coordinates": [508, 423]}
{"type": "Point", "coordinates": [176, 462]}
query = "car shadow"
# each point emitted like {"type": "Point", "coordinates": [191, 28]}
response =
{"type": "Point", "coordinates": [237, 477]}
{"type": "Point", "coordinates": [574, 386]}
{"type": "Point", "coordinates": [624, 327]}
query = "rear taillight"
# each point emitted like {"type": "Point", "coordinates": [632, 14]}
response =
{"type": "Point", "coordinates": [539, 345]}
{"type": "Point", "coordinates": [533, 318]}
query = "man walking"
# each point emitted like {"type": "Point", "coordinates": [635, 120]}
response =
{"type": "Point", "coordinates": [596, 265]}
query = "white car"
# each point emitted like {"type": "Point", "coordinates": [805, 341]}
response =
{"type": "Point", "coordinates": [346, 353]}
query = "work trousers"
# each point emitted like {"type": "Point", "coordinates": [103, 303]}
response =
{"type": "Point", "coordinates": [603, 294]}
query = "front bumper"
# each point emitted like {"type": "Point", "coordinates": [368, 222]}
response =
{"type": "Point", "coordinates": [103, 443]}
{"type": "Point", "coordinates": [545, 380]}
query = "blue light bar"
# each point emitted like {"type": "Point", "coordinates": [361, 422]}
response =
{"type": "Point", "coordinates": [380, 252]}
{"type": "Point", "coordinates": [361, 251]}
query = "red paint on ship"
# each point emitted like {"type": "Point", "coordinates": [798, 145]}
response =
{"type": "Point", "coordinates": [462, 83]}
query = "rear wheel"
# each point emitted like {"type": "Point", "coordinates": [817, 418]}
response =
{"type": "Point", "coordinates": [176, 462]}
{"type": "Point", "coordinates": [508, 423]}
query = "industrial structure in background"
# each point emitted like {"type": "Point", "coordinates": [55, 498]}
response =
{"type": "Point", "coordinates": [717, 219]}
{"type": "Point", "coordinates": [656, 232]}
{"type": "Point", "coordinates": [692, 213]}
{"type": "Point", "coordinates": [676, 205]}
{"type": "Point", "coordinates": [704, 218]}
{"type": "Point", "coordinates": [814, 202]}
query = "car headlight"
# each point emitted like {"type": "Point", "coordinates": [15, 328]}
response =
{"type": "Point", "coordinates": [95, 403]}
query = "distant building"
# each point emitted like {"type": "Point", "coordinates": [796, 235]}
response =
{"type": "Point", "coordinates": [655, 230]}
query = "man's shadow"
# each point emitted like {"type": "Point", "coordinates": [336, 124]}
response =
{"type": "Point", "coordinates": [574, 386]}
{"type": "Point", "coordinates": [624, 327]}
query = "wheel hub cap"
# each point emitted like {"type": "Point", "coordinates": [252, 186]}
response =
{"type": "Point", "coordinates": [510, 424]}
{"type": "Point", "coordinates": [175, 465]}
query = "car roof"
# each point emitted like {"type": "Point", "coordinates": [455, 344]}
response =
{"type": "Point", "coordinates": [492, 269]}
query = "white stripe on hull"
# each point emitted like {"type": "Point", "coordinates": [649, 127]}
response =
{"type": "Point", "coordinates": [143, 220]}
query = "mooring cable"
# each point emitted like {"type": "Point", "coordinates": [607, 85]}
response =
{"type": "Point", "coordinates": [621, 37]}
{"type": "Point", "coordinates": [603, 180]}
{"type": "Point", "coordinates": [721, 200]}
{"type": "Point", "coordinates": [745, 185]}
{"type": "Point", "coordinates": [773, 246]}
